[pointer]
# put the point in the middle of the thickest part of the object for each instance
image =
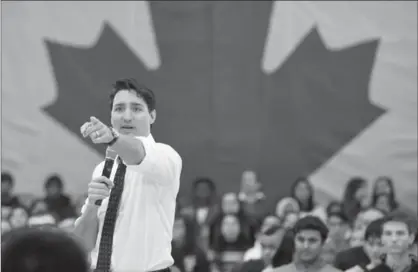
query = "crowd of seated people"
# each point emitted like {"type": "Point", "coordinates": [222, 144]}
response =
{"type": "Point", "coordinates": [239, 233]}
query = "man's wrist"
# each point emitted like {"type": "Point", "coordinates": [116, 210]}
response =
{"type": "Point", "coordinates": [115, 136]}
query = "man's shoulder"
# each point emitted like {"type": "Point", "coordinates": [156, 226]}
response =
{"type": "Point", "coordinates": [168, 150]}
{"type": "Point", "coordinates": [350, 251]}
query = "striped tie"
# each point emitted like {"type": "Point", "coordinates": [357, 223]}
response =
{"type": "Point", "coordinates": [106, 241]}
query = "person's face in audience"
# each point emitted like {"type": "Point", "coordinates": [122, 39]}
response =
{"type": "Point", "coordinates": [290, 220]}
{"type": "Point", "coordinates": [302, 191]}
{"type": "Point", "coordinates": [203, 190]}
{"type": "Point", "coordinates": [396, 237]}
{"type": "Point", "coordinates": [382, 186]}
{"type": "Point", "coordinates": [249, 183]}
{"type": "Point", "coordinates": [230, 228]}
{"type": "Point", "coordinates": [18, 218]}
{"type": "Point", "coordinates": [361, 195]}
{"type": "Point", "coordinates": [374, 249]}
{"type": "Point", "coordinates": [53, 190]}
{"type": "Point", "coordinates": [383, 203]}
{"type": "Point", "coordinates": [179, 230]}
{"type": "Point", "coordinates": [6, 187]}
{"type": "Point", "coordinates": [269, 245]}
{"type": "Point", "coordinates": [308, 245]}
{"type": "Point", "coordinates": [230, 203]}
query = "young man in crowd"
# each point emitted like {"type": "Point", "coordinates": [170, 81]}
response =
{"type": "Point", "coordinates": [310, 236]}
{"type": "Point", "coordinates": [397, 238]}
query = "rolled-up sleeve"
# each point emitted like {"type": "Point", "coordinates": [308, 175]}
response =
{"type": "Point", "coordinates": [161, 163]}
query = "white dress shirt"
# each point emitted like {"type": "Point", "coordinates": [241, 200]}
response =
{"type": "Point", "coordinates": [144, 226]}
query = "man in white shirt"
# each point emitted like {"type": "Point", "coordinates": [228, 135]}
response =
{"type": "Point", "coordinates": [145, 214]}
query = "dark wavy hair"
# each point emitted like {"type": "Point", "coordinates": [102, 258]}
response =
{"type": "Point", "coordinates": [310, 205]}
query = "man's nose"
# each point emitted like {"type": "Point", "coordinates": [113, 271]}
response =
{"type": "Point", "coordinates": [127, 116]}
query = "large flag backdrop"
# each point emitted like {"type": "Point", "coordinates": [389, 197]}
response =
{"type": "Point", "coordinates": [322, 89]}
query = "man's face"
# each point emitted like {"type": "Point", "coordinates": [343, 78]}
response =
{"type": "Point", "coordinates": [374, 249]}
{"type": "Point", "coordinates": [130, 114]}
{"type": "Point", "coordinates": [269, 245]}
{"type": "Point", "coordinates": [308, 245]}
{"type": "Point", "coordinates": [396, 237]}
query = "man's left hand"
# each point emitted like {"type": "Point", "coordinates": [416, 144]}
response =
{"type": "Point", "coordinates": [98, 132]}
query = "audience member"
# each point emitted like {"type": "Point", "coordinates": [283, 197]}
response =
{"type": "Point", "coordinates": [58, 203]}
{"type": "Point", "coordinates": [284, 254]}
{"type": "Point", "coordinates": [290, 220]}
{"type": "Point", "coordinates": [251, 197]}
{"type": "Point", "coordinates": [19, 217]}
{"type": "Point", "coordinates": [310, 236]}
{"type": "Point", "coordinates": [255, 252]}
{"type": "Point", "coordinates": [270, 239]}
{"type": "Point", "coordinates": [365, 254]}
{"type": "Point", "coordinates": [302, 191]}
{"type": "Point", "coordinates": [40, 214]}
{"type": "Point", "coordinates": [203, 209]}
{"type": "Point", "coordinates": [334, 207]}
{"type": "Point", "coordinates": [42, 250]}
{"type": "Point", "coordinates": [355, 198]}
{"type": "Point", "coordinates": [287, 205]}
{"type": "Point", "coordinates": [230, 241]}
{"type": "Point", "coordinates": [7, 197]}
{"type": "Point", "coordinates": [383, 186]}
{"type": "Point", "coordinates": [187, 255]}
{"type": "Point", "coordinates": [397, 237]}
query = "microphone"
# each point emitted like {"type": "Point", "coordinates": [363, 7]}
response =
{"type": "Point", "coordinates": [107, 168]}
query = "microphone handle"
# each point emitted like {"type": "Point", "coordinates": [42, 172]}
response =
{"type": "Point", "coordinates": [107, 169]}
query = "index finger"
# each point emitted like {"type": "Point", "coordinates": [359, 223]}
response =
{"type": "Point", "coordinates": [104, 180]}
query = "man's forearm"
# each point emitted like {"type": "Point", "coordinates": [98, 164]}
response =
{"type": "Point", "coordinates": [87, 227]}
{"type": "Point", "coordinates": [130, 149]}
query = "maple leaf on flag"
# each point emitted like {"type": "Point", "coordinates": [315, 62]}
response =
{"type": "Point", "coordinates": [215, 105]}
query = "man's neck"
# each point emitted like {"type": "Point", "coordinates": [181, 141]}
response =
{"type": "Point", "coordinates": [398, 261]}
{"type": "Point", "coordinates": [316, 264]}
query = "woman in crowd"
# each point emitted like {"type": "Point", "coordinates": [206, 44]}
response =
{"type": "Point", "coordinates": [355, 198]}
{"type": "Point", "coordinates": [383, 196]}
{"type": "Point", "coordinates": [302, 191]}
{"type": "Point", "coordinates": [187, 255]}
{"type": "Point", "coordinates": [230, 241]}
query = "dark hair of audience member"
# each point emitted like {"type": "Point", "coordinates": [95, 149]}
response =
{"type": "Point", "coordinates": [7, 177]}
{"type": "Point", "coordinates": [340, 215]}
{"type": "Point", "coordinates": [309, 205]}
{"type": "Point", "coordinates": [42, 250]}
{"type": "Point", "coordinates": [351, 206]}
{"type": "Point", "coordinates": [334, 206]}
{"type": "Point", "coordinates": [374, 229]}
{"type": "Point", "coordinates": [284, 254]}
{"type": "Point", "coordinates": [392, 196]}
{"type": "Point", "coordinates": [311, 222]}
{"type": "Point", "coordinates": [54, 179]}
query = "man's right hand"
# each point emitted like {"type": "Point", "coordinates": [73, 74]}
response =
{"type": "Point", "coordinates": [99, 189]}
